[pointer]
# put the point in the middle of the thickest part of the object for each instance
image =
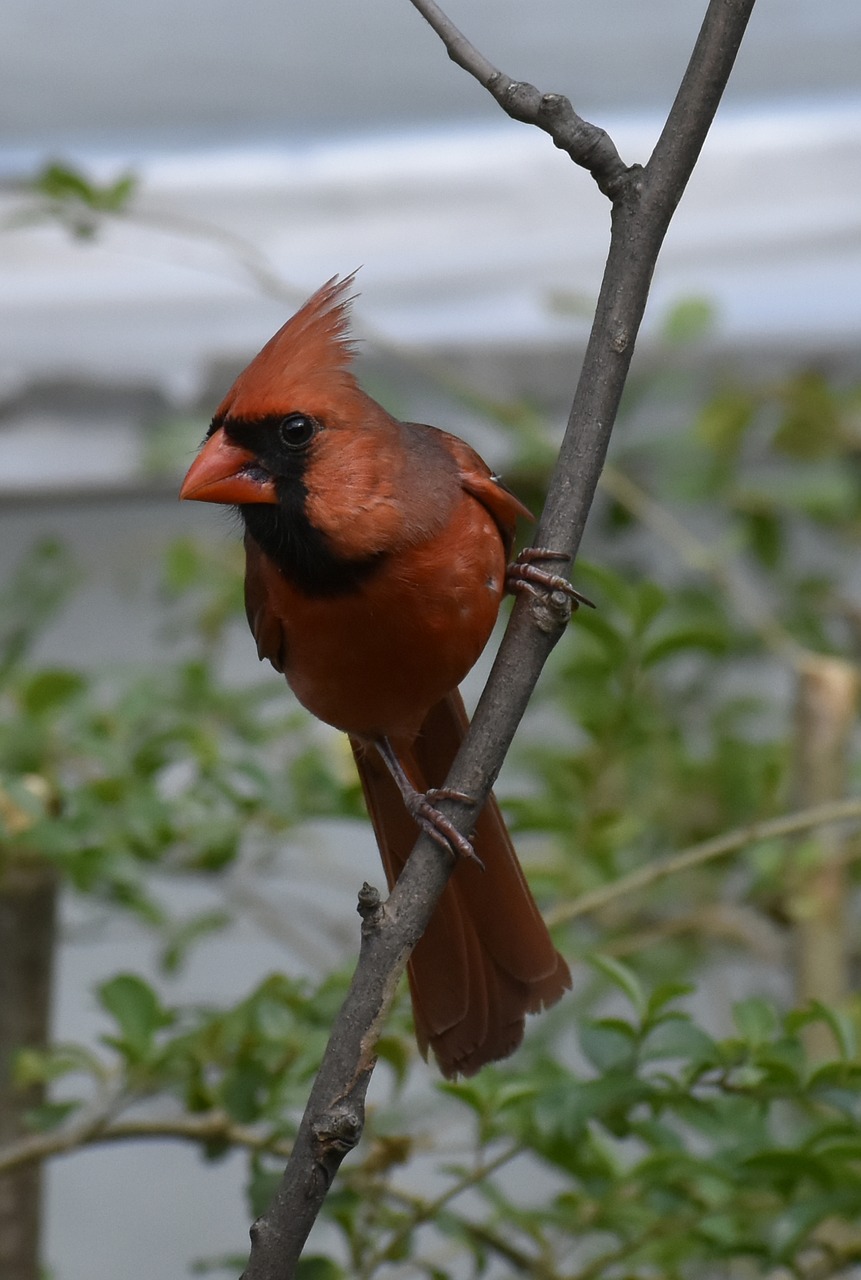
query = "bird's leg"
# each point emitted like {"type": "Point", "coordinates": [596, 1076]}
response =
{"type": "Point", "coordinates": [527, 575]}
{"type": "Point", "coordinates": [421, 808]}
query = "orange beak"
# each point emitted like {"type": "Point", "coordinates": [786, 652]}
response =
{"type": "Point", "coordinates": [225, 472]}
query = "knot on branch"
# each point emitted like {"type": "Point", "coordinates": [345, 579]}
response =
{"type": "Point", "coordinates": [521, 100]}
{"type": "Point", "coordinates": [370, 907]}
{"type": "Point", "coordinates": [626, 187]}
{"type": "Point", "coordinates": [335, 1133]}
{"type": "Point", "coordinates": [555, 109]}
{"type": "Point", "coordinates": [551, 611]}
{"type": "Point", "coordinates": [337, 1129]}
{"type": "Point", "coordinates": [587, 144]}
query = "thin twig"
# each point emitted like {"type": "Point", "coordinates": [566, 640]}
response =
{"type": "Point", "coordinates": [89, 1123]}
{"type": "Point", "coordinates": [719, 921]}
{"type": "Point", "coordinates": [698, 854]}
{"type": "Point", "coordinates": [266, 278]}
{"type": "Point", "coordinates": [96, 1129]}
{"type": "Point", "coordinates": [585, 143]}
{"type": "Point", "coordinates": [429, 1210]}
{"type": "Point", "coordinates": [705, 559]}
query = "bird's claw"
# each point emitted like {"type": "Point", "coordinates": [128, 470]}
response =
{"type": "Point", "coordinates": [447, 793]}
{"type": "Point", "coordinates": [435, 824]}
{"type": "Point", "coordinates": [525, 575]}
{"type": "Point", "coordinates": [422, 809]}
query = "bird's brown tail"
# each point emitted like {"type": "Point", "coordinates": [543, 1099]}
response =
{"type": "Point", "coordinates": [486, 958]}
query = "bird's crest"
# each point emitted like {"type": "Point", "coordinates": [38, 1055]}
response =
{"type": "Point", "coordinates": [305, 366]}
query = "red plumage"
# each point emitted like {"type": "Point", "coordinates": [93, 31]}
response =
{"type": "Point", "coordinates": [376, 564]}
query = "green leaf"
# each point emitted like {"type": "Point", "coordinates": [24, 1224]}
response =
{"type": "Point", "coordinates": [607, 1043]}
{"type": "Point", "coordinates": [825, 490]}
{"type": "Point", "coordinates": [611, 1098]}
{"type": "Point", "coordinates": [317, 1267]}
{"type": "Point", "coordinates": [137, 1009]}
{"type": "Point", "coordinates": [841, 1026]}
{"type": "Point", "coordinates": [183, 565]}
{"type": "Point", "coordinates": [722, 423]}
{"type": "Point", "coordinates": [116, 196]}
{"type": "Point", "coordinates": [793, 1226]}
{"type": "Point", "coordinates": [40, 1066]}
{"type": "Point", "coordinates": [756, 1020]}
{"type": "Point", "coordinates": [666, 994]}
{"type": "Point", "coordinates": [679, 1037]}
{"type": "Point", "coordinates": [623, 978]}
{"type": "Point", "coordinates": [50, 689]}
{"type": "Point", "coordinates": [686, 639]}
{"type": "Point", "coordinates": [811, 426]}
{"type": "Point", "coordinates": [244, 1089]}
{"type": "Point", "coordinates": [38, 586]}
{"type": "Point", "coordinates": [689, 320]}
{"type": "Point", "coordinates": [263, 1182]}
{"type": "Point", "coordinates": [61, 182]}
{"type": "Point", "coordinates": [765, 536]}
{"type": "Point", "coordinates": [609, 640]}
{"type": "Point", "coordinates": [183, 937]}
{"type": "Point", "coordinates": [50, 1115]}
{"type": "Point", "coordinates": [65, 185]}
{"type": "Point", "coordinates": [393, 1050]}
{"type": "Point", "coordinates": [783, 1063]}
{"type": "Point", "coordinates": [651, 600]}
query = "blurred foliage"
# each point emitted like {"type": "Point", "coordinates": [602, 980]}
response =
{"type": "Point", "coordinates": [112, 773]}
{"type": "Point", "coordinates": [64, 194]}
{"type": "Point", "coordinates": [645, 1128]}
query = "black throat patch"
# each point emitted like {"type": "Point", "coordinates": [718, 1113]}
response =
{"type": "Point", "coordinates": [301, 552]}
{"type": "Point", "coordinates": [284, 532]}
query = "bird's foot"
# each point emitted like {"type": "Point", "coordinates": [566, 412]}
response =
{"type": "Point", "coordinates": [422, 808]}
{"type": "Point", "coordinates": [526, 574]}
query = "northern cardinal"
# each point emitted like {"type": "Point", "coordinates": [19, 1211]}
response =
{"type": "Point", "coordinates": [376, 556]}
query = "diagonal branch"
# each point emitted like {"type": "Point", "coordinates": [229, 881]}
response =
{"type": "Point", "coordinates": [97, 1127]}
{"type": "Point", "coordinates": [643, 203]}
{"type": "Point", "coordinates": [585, 143]}
{"type": "Point", "coordinates": [709, 560]}
{"type": "Point", "coordinates": [697, 855]}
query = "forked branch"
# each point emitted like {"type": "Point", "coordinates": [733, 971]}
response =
{"type": "Point", "coordinates": [643, 200]}
{"type": "Point", "coordinates": [585, 143]}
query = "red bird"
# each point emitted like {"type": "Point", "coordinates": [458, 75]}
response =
{"type": "Point", "coordinates": [376, 555]}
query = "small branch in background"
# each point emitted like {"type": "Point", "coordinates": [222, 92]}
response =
{"type": "Point", "coordinates": [704, 559]}
{"type": "Point", "coordinates": [75, 200]}
{"type": "Point", "coordinates": [430, 1210]}
{"type": "Point", "coordinates": [728, 922]}
{"type": "Point", "coordinates": [820, 816]}
{"type": "Point", "coordinates": [826, 705]}
{"type": "Point", "coordinates": [97, 1128]}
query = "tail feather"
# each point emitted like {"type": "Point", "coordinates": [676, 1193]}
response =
{"type": "Point", "coordinates": [486, 958]}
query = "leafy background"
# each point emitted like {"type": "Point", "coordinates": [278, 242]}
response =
{"type": "Point", "coordinates": [693, 1108]}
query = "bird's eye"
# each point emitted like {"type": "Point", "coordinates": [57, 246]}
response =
{"type": "Point", "coordinates": [296, 431]}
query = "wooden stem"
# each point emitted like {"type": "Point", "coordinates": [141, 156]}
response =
{"type": "Point", "coordinates": [826, 700]}
{"type": "Point", "coordinates": [28, 893]}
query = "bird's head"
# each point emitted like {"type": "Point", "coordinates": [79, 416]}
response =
{"type": "Point", "coordinates": [266, 431]}
{"type": "Point", "coordinates": [316, 468]}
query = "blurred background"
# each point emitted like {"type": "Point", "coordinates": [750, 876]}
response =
{"type": "Point", "coordinates": [176, 177]}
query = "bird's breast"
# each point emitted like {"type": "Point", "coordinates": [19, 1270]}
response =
{"type": "Point", "coordinates": [373, 660]}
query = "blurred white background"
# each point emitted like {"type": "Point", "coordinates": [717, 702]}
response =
{"type": "Point", "coordinates": [339, 134]}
